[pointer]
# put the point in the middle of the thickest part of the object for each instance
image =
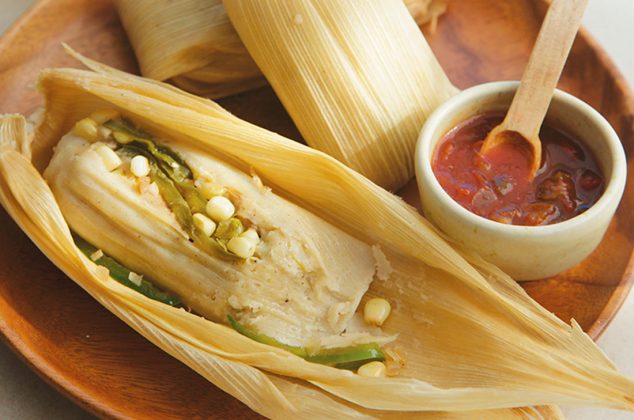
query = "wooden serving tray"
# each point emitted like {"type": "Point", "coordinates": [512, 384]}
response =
{"type": "Point", "coordinates": [103, 365]}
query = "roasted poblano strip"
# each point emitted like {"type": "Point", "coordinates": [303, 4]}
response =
{"type": "Point", "coordinates": [342, 357]}
{"type": "Point", "coordinates": [348, 357]}
{"type": "Point", "coordinates": [122, 274]}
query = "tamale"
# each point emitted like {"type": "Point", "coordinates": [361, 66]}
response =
{"type": "Point", "coordinates": [303, 284]}
{"type": "Point", "coordinates": [359, 82]}
{"type": "Point", "coordinates": [192, 43]}
{"type": "Point", "coordinates": [468, 337]}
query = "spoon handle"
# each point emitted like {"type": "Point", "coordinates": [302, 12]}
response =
{"type": "Point", "coordinates": [546, 63]}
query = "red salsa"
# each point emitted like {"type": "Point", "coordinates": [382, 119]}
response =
{"type": "Point", "coordinates": [497, 186]}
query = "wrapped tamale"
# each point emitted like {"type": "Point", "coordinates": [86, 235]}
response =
{"type": "Point", "coordinates": [359, 82]}
{"type": "Point", "coordinates": [192, 43]}
{"type": "Point", "coordinates": [461, 336]}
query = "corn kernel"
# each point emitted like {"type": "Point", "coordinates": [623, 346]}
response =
{"type": "Point", "coordinates": [110, 159]}
{"type": "Point", "coordinates": [376, 311]}
{"type": "Point", "coordinates": [97, 255]}
{"type": "Point", "coordinates": [242, 247]}
{"type": "Point", "coordinates": [135, 278]}
{"type": "Point", "coordinates": [86, 129]}
{"type": "Point", "coordinates": [104, 115]}
{"type": "Point", "coordinates": [220, 208]}
{"type": "Point", "coordinates": [251, 235]}
{"type": "Point", "coordinates": [204, 224]}
{"type": "Point", "coordinates": [210, 190]}
{"type": "Point", "coordinates": [140, 166]}
{"type": "Point", "coordinates": [372, 370]}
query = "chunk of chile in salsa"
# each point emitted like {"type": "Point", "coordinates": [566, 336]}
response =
{"type": "Point", "coordinates": [497, 186]}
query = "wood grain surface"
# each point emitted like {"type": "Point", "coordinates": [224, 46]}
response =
{"type": "Point", "coordinates": [90, 355]}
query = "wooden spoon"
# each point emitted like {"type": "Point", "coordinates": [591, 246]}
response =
{"type": "Point", "coordinates": [531, 102]}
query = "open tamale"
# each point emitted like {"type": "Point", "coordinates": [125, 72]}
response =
{"type": "Point", "coordinates": [267, 263]}
{"type": "Point", "coordinates": [462, 336]}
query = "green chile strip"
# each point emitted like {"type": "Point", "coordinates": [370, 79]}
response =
{"type": "Point", "coordinates": [182, 197]}
{"type": "Point", "coordinates": [174, 200]}
{"type": "Point", "coordinates": [342, 357]}
{"type": "Point", "coordinates": [121, 274]}
{"type": "Point", "coordinates": [170, 162]}
{"type": "Point", "coordinates": [190, 193]}
{"type": "Point", "coordinates": [348, 357]}
{"type": "Point", "coordinates": [227, 229]}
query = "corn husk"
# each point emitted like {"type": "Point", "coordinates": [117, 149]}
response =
{"type": "Point", "coordinates": [471, 337]}
{"type": "Point", "coordinates": [192, 43]}
{"type": "Point", "coordinates": [357, 78]}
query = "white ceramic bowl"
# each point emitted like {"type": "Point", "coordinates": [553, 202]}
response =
{"type": "Point", "coordinates": [524, 252]}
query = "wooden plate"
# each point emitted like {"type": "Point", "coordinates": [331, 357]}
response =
{"type": "Point", "coordinates": [105, 366]}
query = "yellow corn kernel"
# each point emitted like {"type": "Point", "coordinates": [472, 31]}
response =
{"type": "Point", "coordinates": [376, 311]}
{"type": "Point", "coordinates": [220, 208]}
{"type": "Point", "coordinates": [251, 235]}
{"type": "Point", "coordinates": [110, 159]}
{"type": "Point", "coordinates": [137, 279]}
{"type": "Point", "coordinates": [140, 166]}
{"type": "Point", "coordinates": [372, 370]}
{"type": "Point", "coordinates": [242, 247]}
{"type": "Point", "coordinates": [87, 129]}
{"type": "Point", "coordinates": [96, 255]}
{"type": "Point", "coordinates": [204, 224]}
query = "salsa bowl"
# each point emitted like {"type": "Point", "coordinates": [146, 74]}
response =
{"type": "Point", "coordinates": [524, 252]}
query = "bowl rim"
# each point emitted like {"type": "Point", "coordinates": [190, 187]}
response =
{"type": "Point", "coordinates": [426, 178]}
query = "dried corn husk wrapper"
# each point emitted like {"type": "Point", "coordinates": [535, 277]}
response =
{"type": "Point", "coordinates": [190, 42]}
{"type": "Point", "coordinates": [471, 337]}
{"type": "Point", "coordinates": [358, 81]}
{"type": "Point", "coordinates": [193, 43]}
